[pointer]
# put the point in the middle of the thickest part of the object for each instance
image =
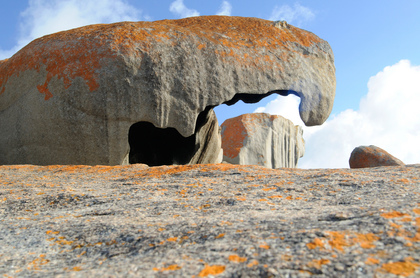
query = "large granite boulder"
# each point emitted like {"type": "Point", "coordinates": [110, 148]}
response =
{"type": "Point", "coordinates": [372, 156]}
{"type": "Point", "coordinates": [72, 97]}
{"type": "Point", "coordinates": [262, 139]}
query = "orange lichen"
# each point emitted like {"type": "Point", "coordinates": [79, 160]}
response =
{"type": "Point", "coordinates": [220, 235]}
{"type": "Point", "coordinates": [211, 270]}
{"type": "Point", "coordinates": [318, 263]}
{"type": "Point", "coordinates": [237, 259]}
{"type": "Point", "coordinates": [236, 130]}
{"type": "Point", "coordinates": [316, 243]}
{"type": "Point", "coordinates": [371, 261]}
{"type": "Point", "coordinates": [172, 267]}
{"type": "Point", "coordinates": [253, 263]}
{"type": "Point", "coordinates": [233, 137]}
{"type": "Point", "coordinates": [393, 214]}
{"type": "Point", "coordinates": [35, 264]}
{"type": "Point", "coordinates": [264, 246]}
{"type": "Point", "coordinates": [366, 240]}
{"type": "Point", "coordinates": [338, 240]}
{"type": "Point", "coordinates": [83, 51]}
{"type": "Point", "coordinates": [404, 268]}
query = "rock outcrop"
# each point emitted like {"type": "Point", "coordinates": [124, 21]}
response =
{"type": "Point", "coordinates": [372, 156]}
{"type": "Point", "coordinates": [72, 97]}
{"type": "Point", "coordinates": [262, 139]}
{"type": "Point", "coordinates": [203, 220]}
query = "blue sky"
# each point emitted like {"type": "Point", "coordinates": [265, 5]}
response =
{"type": "Point", "coordinates": [374, 42]}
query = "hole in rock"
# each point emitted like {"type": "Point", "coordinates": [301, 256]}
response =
{"type": "Point", "coordinates": [268, 103]}
{"type": "Point", "coordinates": [162, 146]}
{"type": "Point", "coordinates": [159, 146]}
{"type": "Point", "coordinates": [166, 146]}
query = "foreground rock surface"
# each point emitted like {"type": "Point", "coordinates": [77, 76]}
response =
{"type": "Point", "coordinates": [235, 221]}
{"type": "Point", "coordinates": [372, 156]}
{"type": "Point", "coordinates": [71, 97]}
{"type": "Point", "coordinates": [262, 139]}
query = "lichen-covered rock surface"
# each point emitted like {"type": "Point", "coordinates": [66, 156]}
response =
{"type": "Point", "coordinates": [262, 139]}
{"type": "Point", "coordinates": [203, 220]}
{"type": "Point", "coordinates": [372, 156]}
{"type": "Point", "coordinates": [71, 97]}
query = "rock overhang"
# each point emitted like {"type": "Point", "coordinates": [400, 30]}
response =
{"type": "Point", "coordinates": [241, 47]}
{"type": "Point", "coordinates": [168, 72]}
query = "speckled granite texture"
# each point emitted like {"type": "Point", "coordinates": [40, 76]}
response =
{"type": "Point", "coordinates": [209, 220]}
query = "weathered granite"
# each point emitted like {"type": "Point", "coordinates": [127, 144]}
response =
{"type": "Point", "coordinates": [197, 220]}
{"type": "Point", "coordinates": [262, 139]}
{"type": "Point", "coordinates": [71, 97]}
{"type": "Point", "coordinates": [372, 156]}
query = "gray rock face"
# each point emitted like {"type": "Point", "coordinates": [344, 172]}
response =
{"type": "Point", "coordinates": [72, 97]}
{"type": "Point", "coordinates": [198, 220]}
{"type": "Point", "coordinates": [262, 139]}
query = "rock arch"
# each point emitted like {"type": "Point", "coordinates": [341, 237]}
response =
{"type": "Point", "coordinates": [78, 92]}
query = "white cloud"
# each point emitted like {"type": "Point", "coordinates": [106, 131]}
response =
{"type": "Point", "coordinates": [296, 15]}
{"type": "Point", "coordinates": [44, 17]}
{"type": "Point", "coordinates": [225, 9]}
{"type": "Point", "coordinates": [287, 107]}
{"type": "Point", "coordinates": [388, 117]}
{"type": "Point", "coordinates": [177, 7]}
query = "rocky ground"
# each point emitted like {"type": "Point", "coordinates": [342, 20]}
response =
{"type": "Point", "coordinates": [209, 220]}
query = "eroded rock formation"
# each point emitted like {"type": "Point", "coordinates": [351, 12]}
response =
{"type": "Point", "coordinates": [73, 96]}
{"type": "Point", "coordinates": [262, 139]}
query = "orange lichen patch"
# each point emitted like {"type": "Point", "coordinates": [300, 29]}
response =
{"type": "Point", "coordinates": [65, 55]}
{"type": "Point", "coordinates": [35, 264]}
{"type": "Point", "coordinates": [172, 239]}
{"type": "Point", "coordinates": [241, 31]}
{"type": "Point", "coordinates": [371, 261]}
{"type": "Point", "coordinates": [220, 235]}
{"type": "Point", "coordinates": [405, 219]}
{"type": "Point", "coordinates": [83, 51]}
{"type": "Point", "coordinates": [275, 197]}
{"type": "Point", "coordinates": [403, 181]}
{"type": "Point", "coordinates": [269, 188]}
{"type": "Point", "coordinates": [172, 267]}
{"type": "Point", "coordinates": [166, 170]}
{"type": "Point", "coordinates": [211, 270]}
{"type": "Point", "coordinates": [396, 226]}
{"type": "Point", "coordinates": [393, 214]}
{"type": "Point", "coordinates": [43, 89]}
{"type": "Point", "coordinates": [233, 137]}
{"type": "Point", "coordinates": [318, 263]}
{"type": "Point", "coordinates": [316, 243]}
{"type": "Point", "coordinates": [237, 259]}
{"type": "Point", "coordinates": [49, 232]}
{"type": "Point", "coordinates": [253, 263]}
{"type": "Point", "coordinates": [405, 268]}
{"type": "Point", "coordinates": [366, 240]}
{"type": "Point", "coordinates": [264, 246]}
{"type": "Point", "coordinates": [338, 240]}
{"type": "Point", "coordinates": [156, 172]}
{"type": "Point", "coordinates": [416, 210]}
